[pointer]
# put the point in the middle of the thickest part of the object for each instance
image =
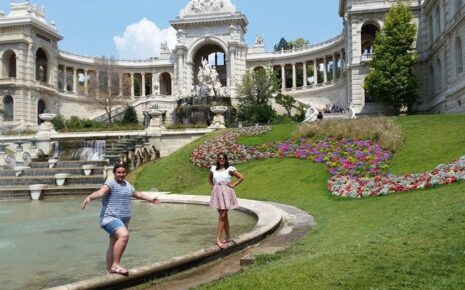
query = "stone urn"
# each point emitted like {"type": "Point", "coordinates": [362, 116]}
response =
{"type": "Point", "coordinates": [36, 190]}
{"type": "Point", "coordinates": [61, 177]}
{"type": "Point", "coordinates": [88, 168]}
{"type": "Point", "coordinates": [156, 118]}
{"type": "Point", "coordinates": [218, 119]}
{"type": "Point", "coordinates": [46, 125]}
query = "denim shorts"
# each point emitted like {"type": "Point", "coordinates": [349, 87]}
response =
{"type": "Point", "coordinates": [116, 224]}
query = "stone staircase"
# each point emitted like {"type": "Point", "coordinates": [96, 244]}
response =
{"type": "Point", "coordinates": [14, 184]}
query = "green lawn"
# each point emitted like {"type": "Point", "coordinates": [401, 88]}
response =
{"type": "Point", "coordinates": [412, 240]}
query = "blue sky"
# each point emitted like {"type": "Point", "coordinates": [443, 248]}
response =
{"type": "Point", "coordinates": [89, 27]}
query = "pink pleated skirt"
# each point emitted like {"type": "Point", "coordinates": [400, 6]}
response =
{"type": "Point", "coordinates": [223, 197]}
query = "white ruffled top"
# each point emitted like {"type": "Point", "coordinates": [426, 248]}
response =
{"type": "Point", "coordinates": [222, 176]}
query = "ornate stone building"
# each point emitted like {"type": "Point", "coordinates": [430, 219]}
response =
{"type": "Point", "coordinates": [37, 76]}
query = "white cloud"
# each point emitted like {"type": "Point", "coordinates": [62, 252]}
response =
{"type": "Point", "coordinates": [142, 40]}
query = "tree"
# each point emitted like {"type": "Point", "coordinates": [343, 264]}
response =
{"type": "Point", "coordinates": [299, 43]}
{"type": "Point", "coordinates": [392, 79]}
{"type": "Point", "coordinates": [282, 45]}
{"type": "Point", "coordinates": [286, 101]}
{"type": "Point", "coordinates": [130, 116]}
{"type": "Point", "coordinates": [105, 87]}
{"type": "Point", "coordinates": [256, 91]}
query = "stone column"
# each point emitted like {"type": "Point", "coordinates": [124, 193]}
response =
{"type": "Point", "coordinates": [294, 78]}
{"type": "Point", "coordinates": [97, 83]}
{"type": "Point", "coordinates": [132, 85]}
{"type": "Point", "coordinates": [65, 87]}
{"type": "Point", "coordinates": [315, 71]}
{"type": "Point", "coordinates": [156, 83]}
{"type": "Point", "coordinates": [334, 66]}
{"type": "Point", "coordinates": [342, 59]}
{"type": "Point", "coordinates": [232, 66]}
{"type": "Point", "coordinates": [325, 70]}
{"type": "Point", "coordinates": [143, 84]}
{"type": "Point", "coordinates": [304, 84]}
{"type": "Point", "coordinates": [283, 77]}
{"type": "Point", "coordinates": [86, 87]}
{"type": "Point", "coordinates": [74, 80]}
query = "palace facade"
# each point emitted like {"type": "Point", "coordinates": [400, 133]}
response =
{"type": "Point", "coordinates": [36, 76]}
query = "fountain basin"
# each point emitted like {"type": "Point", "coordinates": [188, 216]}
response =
{"type": "Point", "coordinates": [219, 109]}
{"type": "Point", "coordinates": [61, 178]}
{"type": "Point", "coordinates": [36, 190]}
{"type": "Point", "coordinates": [47, 117]}
{"type": "Point", "coordinates": [88, 168]}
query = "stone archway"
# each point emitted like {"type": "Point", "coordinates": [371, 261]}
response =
{"type": "Point", "coordinates": [41, 66]}
{"type": "Point", "coordinates": [165, 84]}
{"type": "Point", "coordinates": [369, 31]}
{"type": "Point", "coordinates": [216, 57]}
{"type": "Point", "coordinates": [9, 64]}
{"type": "Point", "coordinates": [41, 108]}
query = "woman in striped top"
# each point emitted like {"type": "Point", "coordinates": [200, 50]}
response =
{"type": "Point", "coordinates": [115, 215]}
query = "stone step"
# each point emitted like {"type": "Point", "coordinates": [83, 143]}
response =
{"type": "Point", "coordinates": [50, 180]}
{"type": "Point", "coordinates": [69, 164]}
{"type": "Point", "coordinates": [23, 193]}
{"type": "Point", "coordinates": [49, 171]}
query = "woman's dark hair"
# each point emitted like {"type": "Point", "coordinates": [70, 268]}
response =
{"type": "Point", "coordinates": [118, 165]}
{"type": "Point", "coordinates": [226, 161]}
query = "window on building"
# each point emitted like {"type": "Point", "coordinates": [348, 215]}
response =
{"type": "Point", "coordinates": [459, 55]}
{"type": "Point", "coordinates": [8, 108]}
{"type": "Point", "coordinates": [432, 87]}
{"type": "Point", "coordinates": [437, 19]}
{"type": "Point", "coordinates": [430, 29]}
{"type": "Point", "coordinates": [438, 74]}
{"type": "Point", "coordinates": [41, 66]}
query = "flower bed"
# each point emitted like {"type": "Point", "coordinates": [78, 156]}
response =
{"type": "Point", "coordinates": [350, 186]}
{"type": "Point", "coordinates": [205, 155]}
{"type": "Point", "coordinates": [357, 166]}
{"type": "Point", "coordinates": [342, 157]}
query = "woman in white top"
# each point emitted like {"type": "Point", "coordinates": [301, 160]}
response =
{"type": "Point", "coordinates": [223, 197]}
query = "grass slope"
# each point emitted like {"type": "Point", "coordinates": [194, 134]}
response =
{"type": "Point", "coordinates": [401, 241]}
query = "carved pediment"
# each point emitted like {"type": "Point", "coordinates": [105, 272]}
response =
{"type": "Point", "coordinates": [201, 7]}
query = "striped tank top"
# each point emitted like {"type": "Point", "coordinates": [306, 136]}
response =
{"type": "Point", "coordinates": [117, 203]}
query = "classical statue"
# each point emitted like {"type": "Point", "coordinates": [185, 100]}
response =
{"type": "Point", "coordinates": [259, 41]}
{"type": "Point", "coordinates": [209, 83]}
{"type": "Point", "coordinates": [205, 6]}
{"type": "Point", "coordinates": [164, 47]}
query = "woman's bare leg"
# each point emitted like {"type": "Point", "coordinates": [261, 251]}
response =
{"type": "Point", "coordinates": [222, 214]}
{"type": "Point", "coordinates": [122, 237]}
{"type": "Point", "coordinates": [110, 253]}
{"type": "Point", "coordinates": [226, 227]}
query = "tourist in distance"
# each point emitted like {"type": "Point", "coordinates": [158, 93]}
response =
{"type": "Point", "coordinates": [223, 197]}
{"type": "Point", "coordinates": [115, 215]}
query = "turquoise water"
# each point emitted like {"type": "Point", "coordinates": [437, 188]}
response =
{"type": "Point", "coordinates": [49, 243]}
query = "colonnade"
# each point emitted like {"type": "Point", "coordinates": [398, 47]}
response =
{"type": "Point", "coordinates": [149, 83]}
{"type": "Point", "coordinates": [295, 75]}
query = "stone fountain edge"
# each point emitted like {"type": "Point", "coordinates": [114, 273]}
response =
{"type": "Point", "coordinates": [269, 218]}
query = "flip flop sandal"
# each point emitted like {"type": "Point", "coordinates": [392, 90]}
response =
{"type": "Point", "coordinates": [119, 270]}
{"type": "Point", "coordinates": [220, 245]}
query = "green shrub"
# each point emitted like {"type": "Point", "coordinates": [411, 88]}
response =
{"type": "Point", "coordinates": [130, 116]}
{"type": "Point", "coordinates": [59, 122]}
